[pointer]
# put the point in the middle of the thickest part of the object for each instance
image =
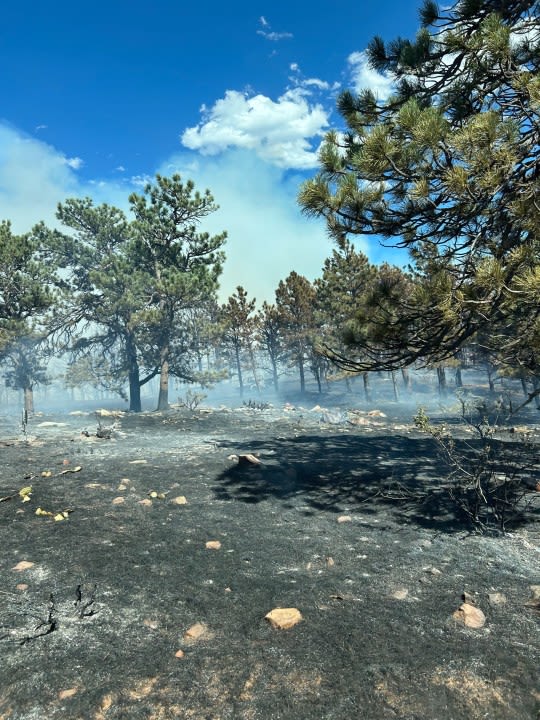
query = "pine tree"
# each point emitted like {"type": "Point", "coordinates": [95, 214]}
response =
{"type": "Point", "coordinates": [102, 312]}
{"type": "Point", "coordinates": [270, 337]}
{"type": "Point", "coordinates": [295, 301]}
{"type": "Point", "coordinates": [238, 331]}
{"type": "Point", "coordinates": [448, 168]}
{"type": "Point", "coordinates": [341, 294]}
{"type": "Point", "coordinates": [184, 265]}
{"type": "Point", "coordinates": [28, 283]}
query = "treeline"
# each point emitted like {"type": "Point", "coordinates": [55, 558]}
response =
{"type": "Point", "coordinates": [448, 167]}
{"type": "Point", "coordinates": [123, 302]}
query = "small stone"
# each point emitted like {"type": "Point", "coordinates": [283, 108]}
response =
{"type": "Point", "coordinates": [284, 618]}
{"type": "Point", "coordinates": [118, 500]}
{"type": "Point", "coordinates": [432, 570]}
{"type": "Point", "coordinates": [344, 519]}
{"type": "Point", "coordinates": [152, 624]}
{"type": "Point", "coordinates": [213, 545]}
{"type": "Point", "coordinates": [23, 565]}
{"type": "Point", "coordinates": [179, 654]}
{"type": "Point", "coordinates": [146, 502]}
{"type": "Point", "coordinates": [196, 632]}
{"type": "Point", "coordinates": [180, 500]}
{"type": "Point", "coordinates": [535, 589]}
{"type": "Point", "coordinates": [121, 487]}
{"type": "Point", "coordinates": [22, 587]}
{"type": "Point", "coordinates": [470, 616]}
{"type": "Point", "coordinates": [70, 692]}
{"type": "Point", "coordinates": [330, 562]}
{"type": "Point", "coordinates": [400, 594]}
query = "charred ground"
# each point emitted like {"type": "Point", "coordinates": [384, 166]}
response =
{"type": "Point", "coordinates": [335, 521]}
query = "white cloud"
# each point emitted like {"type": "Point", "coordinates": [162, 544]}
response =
{"type": "Point", "coordinates": [76, 163]}
{"type": "Point", "coordinates": [35, 177]}
{"type": "Point", "coordinates": [275, 36]}
{"type": "Point", "coordinates": [269, 34]}
{"type": "Point", "coordinates": [267, 234]}
{"type": "Point", "coordinates": [365, 78]}
{"type": "Point", "coordinates": [279, 132]}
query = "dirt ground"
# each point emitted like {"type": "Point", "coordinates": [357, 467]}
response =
{"type": "Point", "coordinates": [123, 610]}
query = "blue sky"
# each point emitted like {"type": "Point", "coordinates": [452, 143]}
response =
{"type": "Point", "coordinates": [95, 99]}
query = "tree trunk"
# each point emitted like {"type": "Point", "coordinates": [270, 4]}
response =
{"type": "Point", "coordinates": [133, 377]}
{"type": "Point", "coordinates": [302, 374]}
{"type": "Point", "coordinates": [406, 378]}
{"type": "Point", "coordinates": [318, 379]}
{"type": "Point", "coordinates": [163, 399]}
{"type": "Point", "coordinates": [394, 384]}
{"type": "Point", "coordinates": [29, 400]}
{"type": "Point", "coordinates": [239, 370]}
{"type": "Point", "coordinates": [459, 379]}
{"type": "Point", "coordinates": [275, 375]}
{"type": "Point", "coordinates": [490, 371]}
{"type": "Point", "coordinates": [441, 377]}
{"type": "Point", "coordinates": [367, 393]}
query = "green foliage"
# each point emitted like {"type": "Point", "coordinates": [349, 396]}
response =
{"type": "Point", "coordinates": [446, 167]}
{"type": "Point", "coordinates": [28, 282]}
{"type": "Point", "coordinates": [182, 266]}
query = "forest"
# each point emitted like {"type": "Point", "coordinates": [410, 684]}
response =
{"type": "Point", "coordinates": [447, 168]}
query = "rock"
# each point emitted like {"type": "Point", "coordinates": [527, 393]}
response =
{"type": "Point", "coordinates": [146, 502]}
{"type": "Point", "coordinates": [70, 692]}
{"type": "Point", "coordinates": [213, 545]}
{"type": "Point", "coordinates": [330, 562]}
{"type": "Point", "coordinates": [344, 519]}
{"type": "Point", "coordinates": [196, 632]}
{"type": "Point", "coordinates": [118, 500]}
{"type": "Point", "coordinates": [179, 654]}
{"type": "Point", "coordinates": [284, 618]}
{"type": "Point", "coordinates": [470, 616]}
{"type": "Point", "coordinates": [432, 570]}
{"type": "Point", "coordinates": [180, 500]}
{"type": "Point", "coordinates": [400, 594]}
{"type": "Point", "coordinates": [23, 565]}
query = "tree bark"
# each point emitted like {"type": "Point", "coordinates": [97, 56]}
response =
{"type": "Point", "coordinates": [29, 400]}
{"type": "Point", "coordinates": [302, 374]}
{"type": "Point", "coordinates": [367, 393]}
{"type": "Point", "coordinates": [394, 384]}
{"type": "Point", "coordinates": [441, 377]}
{"type": "Point", "coordinates": [239, 370]}
{"type": "Point", "coordinates": [163, 399]}
{"type": "Point", "coordinates": [133, 376]}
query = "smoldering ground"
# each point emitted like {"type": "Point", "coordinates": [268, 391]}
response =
{"type": "Point", "coordinates": [122, 609]}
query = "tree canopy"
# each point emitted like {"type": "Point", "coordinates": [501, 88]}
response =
{"type": "Point", "coordinates": [447, 167]}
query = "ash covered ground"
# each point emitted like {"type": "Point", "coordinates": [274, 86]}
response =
{"type": "Point", "coordinates": [149, 599]}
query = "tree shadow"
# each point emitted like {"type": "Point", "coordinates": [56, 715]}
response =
{"type": "Point", "coordinates": [404, 477]}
